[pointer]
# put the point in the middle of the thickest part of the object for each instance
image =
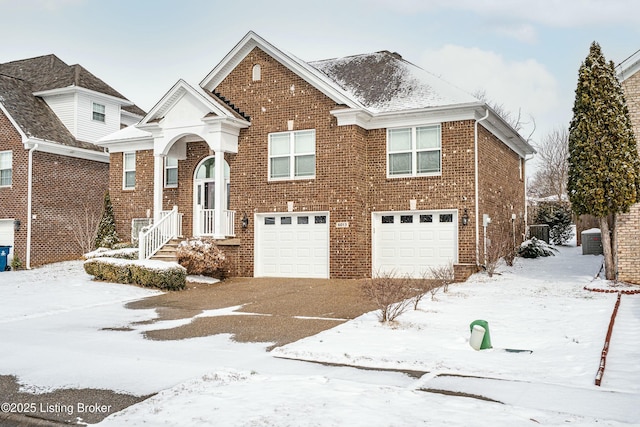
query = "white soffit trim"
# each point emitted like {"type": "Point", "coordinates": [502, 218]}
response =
{"type": "Point", "coordinates": [78, 89]}
{"type": "Point", "coordinates": [628, 67]}
{"type": "Point", "coordinates": [252, 40]}
{"type": "Point", "coordinates": [422, 116]}
{"type": "Point", "coordinates": [65, 150]}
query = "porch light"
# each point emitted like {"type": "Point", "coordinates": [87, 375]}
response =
{"type": "Point", "coordinates": [16, 224]}
{"type": "Point", "coordinates": [465, 217]}
{"type": "Point", "coordinates": [245, 221]}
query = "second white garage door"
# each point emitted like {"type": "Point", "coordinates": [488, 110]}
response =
{"type": "Point", "coordinates": [292, 245]}
{"type": "Point", "coordinates": [409, 243]}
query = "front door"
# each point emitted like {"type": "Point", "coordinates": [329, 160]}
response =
{"type": "Point", "coordinates": [204, 198]}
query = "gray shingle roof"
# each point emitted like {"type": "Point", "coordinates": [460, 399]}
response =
{"type": "Point", "coordinates": [384, 82]}
{"type": "Point", "coordinates": [20, 79]}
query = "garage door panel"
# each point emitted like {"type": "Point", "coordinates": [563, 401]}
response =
{"type": "Point", "coordinates": [295, 246]}
{"type": "Point", "coordinates": [411, 246]}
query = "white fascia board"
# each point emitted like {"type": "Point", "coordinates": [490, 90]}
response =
{"type": "Point", "coordinates": [64, 150]}
{"type": "Point", "coordinates": [422, 116]}
{"type": "Point", "coordinates": [174, 95]}
{"type": "Point", "coordinates": [13, 123]}
{"type": "Point", "coordinates": [628, 67]}
{"type": "Point", "coordinates": [78, 89]}
{"type": "Point", "coordinates": [250, 41]}
{"type": "Point", "coordinates": [505, 133]}
{"type": "Point", "coordinates": [134, 144]}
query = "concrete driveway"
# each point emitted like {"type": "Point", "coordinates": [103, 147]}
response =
{"type": "Point", "coordinates": [280, 311]}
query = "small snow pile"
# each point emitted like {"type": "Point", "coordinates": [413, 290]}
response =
{"type": "Point", "coordinates": [124, 253]}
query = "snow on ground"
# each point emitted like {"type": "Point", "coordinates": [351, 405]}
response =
{"type": "Point", "coordinates": [538, 305]}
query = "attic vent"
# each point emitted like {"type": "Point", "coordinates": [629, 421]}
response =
{"type": "Point", "coordinates": [256, 73]}
{"type": "Point", "coordinates": [230, 105]}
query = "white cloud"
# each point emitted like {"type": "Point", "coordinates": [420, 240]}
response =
{"type": "Point", "coordinates": [49, 5]}
{"type": "Point", "coordinates": [526, 86]}
{"type": "Point", "coordinates": [525, 33]}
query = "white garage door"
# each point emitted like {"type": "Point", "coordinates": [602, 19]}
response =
{"type": "Point", "coordinates": [292, 245]}
{"type": "Point", "coordinates": [412, 242]}
{"type": "Point", "coordinates": [6, 233]}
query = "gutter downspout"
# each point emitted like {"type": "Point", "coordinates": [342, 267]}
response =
{"type": "Point", "coordinates": [29, 196]}
{"type": "Point", "coordinates": [475, 154]}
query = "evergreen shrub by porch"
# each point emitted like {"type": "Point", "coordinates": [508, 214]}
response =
{"type": "Point", "coordinates": [535, 248]}
{"type": "Point", "coordinates": [200, 255]}
{"type": "Point", "coordinates": [149, 274]}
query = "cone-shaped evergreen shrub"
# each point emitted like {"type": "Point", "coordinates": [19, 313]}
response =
{"type": "Point", "coordinates": [106, 236]}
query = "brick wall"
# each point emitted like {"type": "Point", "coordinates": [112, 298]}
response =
{"type": "Point", "coordinates": [501, 190]}
{"type": "Point", "coordinates": [628, 225]}
{"type": "Point", "coordinates": [66, 191]}
{"type": "Point", "coordinates": [13, 200]}
{"type": "Point", "coordinates": [128, 204]}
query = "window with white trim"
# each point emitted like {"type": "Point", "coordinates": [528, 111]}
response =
{"type": "Point", "coordinates": [170, 172]}
{"type": "Point", "coordinates": [292, 155]}
{"type": "Point", "coordinates": [414, 151]}
{"type": "Point", "coordinates": [99, 112]}
{"type": "Point", "coordinates": [6, 168]}
{"type": "Point", "coordinates": [129, 171]}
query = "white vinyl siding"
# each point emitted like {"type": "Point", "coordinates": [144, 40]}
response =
{"type": "Point", "coordinates": [6, 168]}
{"type": "Point", "coordinates": [128, 171]}
{"type": "Point", "coordinates": [292, 155]}
{"type": "Point", "coordinates": [91, 130]}
{"type": "Point", "coordinates": [415, 151]}
{"type": "Point", "coordinates": [64, 106]}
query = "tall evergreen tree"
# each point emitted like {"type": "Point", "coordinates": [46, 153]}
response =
{"type": "Point", "coordinates": [106, 236]}
{"type": "Point", "coordinates": [604, 169]}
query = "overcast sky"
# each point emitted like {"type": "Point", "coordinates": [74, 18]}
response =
{"type": "Point", "coordinates": [524, 54]}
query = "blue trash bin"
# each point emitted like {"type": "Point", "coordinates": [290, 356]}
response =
{"type": "Point", "coordinates": [4, 253]}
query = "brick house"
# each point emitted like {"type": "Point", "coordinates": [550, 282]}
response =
{"type": "Point", "coordinates": [52, 176]}
{"type": "Point", "coordinates": [627, 227]}
{"type": "Point", "coordinates": [338, 168]}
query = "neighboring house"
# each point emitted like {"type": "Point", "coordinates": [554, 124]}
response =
{"type": "Point", "coordinates": [340, 168]}
{"type": "Point", "coordinates": [627, 227]}
{"type": "Point", "coordinates": [52, 176]}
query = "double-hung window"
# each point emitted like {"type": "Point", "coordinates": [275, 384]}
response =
{"type": "Point", "coordinates": [170, 172]}
{"type": "Point", "coordinates": [414, 151]}
{"type": "Point", "coordinates": [129, 171]}
{"type": "Point", "coordinates": [6, 160]}
{"type": "Point", "coordinates": [99, 112]}
{"type": "Point", "coordinates": [292, 155]}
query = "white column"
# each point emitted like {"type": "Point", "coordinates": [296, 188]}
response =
{"type": "Point", "coordinates": [220, 231]}
{"type": "Point", "coordinates": [158, 185]}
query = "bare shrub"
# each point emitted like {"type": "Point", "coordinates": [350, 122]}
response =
{"type": "Point", "coordinates": [443, 275]}
{"type": "Point", "coordinates": [499, 246]}
{"type": "Point", "coordinates": [422, 286]}
{"type": "Point", "coordinates": [200, 255]}
{"type": "Point", "coordinates": [391, 295]}
{"type": "Point", "coordinates": [85, 228]}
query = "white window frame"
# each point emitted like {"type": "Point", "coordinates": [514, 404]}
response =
{"type": "Point", "coordinates": [101, 115]}
{"type": "Point", "coordinates": [292, 155]}
{"type": "Point", "coordinates": [9, 154]}
{"type": "Point", "coordinates": [167, 168]}
{"type": "Point", "coordinates": [125, 170]}
{"type": "Point", "coordinates": [414, 152]}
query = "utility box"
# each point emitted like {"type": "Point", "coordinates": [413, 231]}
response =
{"type": "Point", "coordinates": [540, 232]}
{"type": "Point", "coordinates": [591, 242]}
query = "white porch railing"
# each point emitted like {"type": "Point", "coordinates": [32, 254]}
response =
{"type": "Point", "coordinates": [208, 223]}
{"type": "Point", "coordinates": [156, 236]}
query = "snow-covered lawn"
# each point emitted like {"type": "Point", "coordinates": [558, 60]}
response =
{"type": "Point", "coordinates": [59, 329]}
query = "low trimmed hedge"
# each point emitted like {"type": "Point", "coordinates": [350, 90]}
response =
{"type": "Point", "coordinates": [151, 274]}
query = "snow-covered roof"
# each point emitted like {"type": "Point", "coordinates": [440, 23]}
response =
{"type": "Point", "coordinates": [384, 82]}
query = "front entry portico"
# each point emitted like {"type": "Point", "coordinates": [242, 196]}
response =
{"type": "Point", "coordinates": [208, 197]}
